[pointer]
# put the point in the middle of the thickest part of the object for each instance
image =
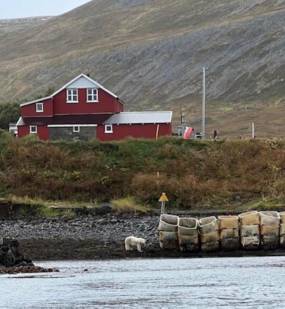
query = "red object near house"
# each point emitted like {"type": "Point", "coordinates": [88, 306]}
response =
{"type": "Point", "coordinates": [84, 109]}
{"type": "Point", "coordinates": [187, 133]}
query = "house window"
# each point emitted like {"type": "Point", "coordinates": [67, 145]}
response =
{"type": "Point", "coordinates": [72, 95]}
{"type": "Point", "coordinates": [92, 95]}
{"type": "Point", "coordinates": [39, 107]}
{"type": "Point", "coordinates": [33, 129]}
{"type": "Point", "coordinates": [108, 128]}
{"type": "Point", "coordinates": [76, 129]}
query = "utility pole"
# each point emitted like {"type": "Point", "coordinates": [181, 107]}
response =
{"type": "Point", "coordinates": [252, 130]}
{"type": "Point", "coordinates": [181, 115]}
{"type": "Point", "coordinates": [204, 105]}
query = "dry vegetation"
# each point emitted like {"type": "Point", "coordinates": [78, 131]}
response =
{"type": "Point", "coordinates": [194, 174]}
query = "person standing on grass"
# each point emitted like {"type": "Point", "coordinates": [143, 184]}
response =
{"type": "Point", "coordinates": [215, 135]}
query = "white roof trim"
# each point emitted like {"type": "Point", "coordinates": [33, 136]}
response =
{"type": "Point", "coordinates": [69, 83]}
{"type": "Point", "coordinates": [71, 125]}
{"type": "Point", "coordinates": [153, 117]}
{"type": "Point", "coordinates": [36, 101]}
{"type": "Point", "coordinates": [99, 85]}
{"type": "Point", "coordinates": [20, 122]}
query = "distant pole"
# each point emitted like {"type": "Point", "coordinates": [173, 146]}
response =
{"type": "Point", "coordinates": [253, 130]}
{"type": "Point", "coordinates": [157, 132]}
{"type": "Point", "coordinates": [162, 210]}
{"type": "Point", "coordinates": [204, 105]}
{"type": "Point", "coordinates": [163, 199]}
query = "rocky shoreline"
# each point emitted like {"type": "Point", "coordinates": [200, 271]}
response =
{"type": "Point", "coordinates": [12, 260]}
{"type": "Point", "coordinates": [85, 237]}
{"type": "Point", "coordinates": [96, 237]}
{"type": "Point", "coordinates": [25, 270]}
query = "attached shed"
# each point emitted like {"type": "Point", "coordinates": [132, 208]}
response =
{"type": "Point", "coordinates": [149, 125]}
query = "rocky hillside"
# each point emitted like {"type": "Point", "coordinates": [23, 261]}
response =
{"type": "Point", "coordinates": [151, 53]}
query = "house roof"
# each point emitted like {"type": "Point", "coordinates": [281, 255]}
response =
{"type": "Point", "coordinates": [95, 83]}
{"type": "Point", "coordinates": [20, 122]}
{"type": "Point", "coordinates": [140, 117]}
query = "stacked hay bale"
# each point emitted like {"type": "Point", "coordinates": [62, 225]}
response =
{"type": "Point", "coordinates": [229, 232]}
{"type": "Point", "coordinates": [188, 236]}
{"type": "Point", "coordinates": [269, 229]}
{"type": "Point", "coordinates": [168, 225]}
{"type": "Point", "coordinates": [209, 233]}
{"type": "Point", "coordinates": [250, 230]}
{"type": "Point", "coordinates": [282, 229]}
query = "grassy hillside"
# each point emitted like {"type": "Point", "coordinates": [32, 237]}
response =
{"type": "Point", "coordinates": [194, 174]}
{"type": "Point", "coordinates": [150, 52]}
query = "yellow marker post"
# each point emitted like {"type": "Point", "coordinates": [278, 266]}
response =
{"type": "Point", "coordinates": [163, 199]}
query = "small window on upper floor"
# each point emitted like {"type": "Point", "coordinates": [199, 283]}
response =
{"type": "Point", "coordinates": [72, 95]}
{"type": "Point", "coordinates": [108, 128]}
{"type": "Point", "coordinates": [92, 95]}
{"type": "Point", "coordinates": [33, 129]}
{"type": "Point", "coordinates": [39, 107]}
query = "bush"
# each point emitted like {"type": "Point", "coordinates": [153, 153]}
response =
{"type": "Point", "coordinates": [193, 174]}
{"type": "Point", "coordinates": [9, 113]}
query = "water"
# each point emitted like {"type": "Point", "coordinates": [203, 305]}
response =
{"type": "Point", "coordinates": [157, 283]}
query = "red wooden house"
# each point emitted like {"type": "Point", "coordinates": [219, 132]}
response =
{"type": "Point", "coordinates": [84, 109]}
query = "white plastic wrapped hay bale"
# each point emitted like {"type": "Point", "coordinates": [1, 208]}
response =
{"type": "Point", "coordinates": [269, 229]}
{"type": "Point", "coordinates": [210, 237]}
{"type": "Point", "coordinates": [209, 231]}
{"type": "Point", "coordinates": [250, 230]}
{"type": "Point", "coordinates": [249, 218]}
{"type": "Point", "coordinates": [167, 228]}
{"type": "Point", "coordinates": [229, 232]}
{"type": "Point", "coordinates": [282, 217]}
{"type": "Point", "coordinates": [208, 225]}
{"type": "Point", "coordinates": [269, 218]}
{"type": "Point", "coordinates": [228, 222]}
{"type": "Point", "coordinates": [250, 236]}
{"type": "Point", "coordinates": [188, 236]}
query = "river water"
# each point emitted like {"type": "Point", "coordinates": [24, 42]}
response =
{"type": "Point", "coordinates": [257, 282]}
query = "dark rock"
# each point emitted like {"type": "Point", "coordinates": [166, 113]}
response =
{"type": "Point", "coordinates": [26, 269]}
{"type": "Point", "coordinates": [10, 254]}
{"type": "Point", "coordinates": [103, 209]}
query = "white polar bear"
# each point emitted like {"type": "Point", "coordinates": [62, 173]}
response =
{"type": "Point", "coordinates": [132, 242]}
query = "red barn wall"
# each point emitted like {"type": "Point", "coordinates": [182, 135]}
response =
{"type": "Point", "coordinates": [42, 132]}
{"type": "Point", "coordinates": [135, 131]}
{"type": "Point", "coordinates": [30, 110]}
{"type": "Point", "coordinates": [106, 104]}
{"type": "Point", "coordinates": [23, 131]}
{"type": "Point", "coordinates": [120, 132]}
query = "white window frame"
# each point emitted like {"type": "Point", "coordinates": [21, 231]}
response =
{"type": "Point", "coordinates": [93, 93]}
{"type": "Point", "coordinates": [108, 128]}
{"type": "Point", "coordinates": [40, 107]}
{"type": "Point", "coordinates": [33, 129]}
{"type": "Point", "coordinates": [76, 129]}
{"type": "Point", "coordinates": [72, 95]}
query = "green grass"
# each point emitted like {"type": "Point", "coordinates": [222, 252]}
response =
{"type": "Point", "coordinates": [129, 205]}
{"type": "Point", "coordinates": [51, 209]}
{"type": "Point", "coordinates": [264, 204]}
